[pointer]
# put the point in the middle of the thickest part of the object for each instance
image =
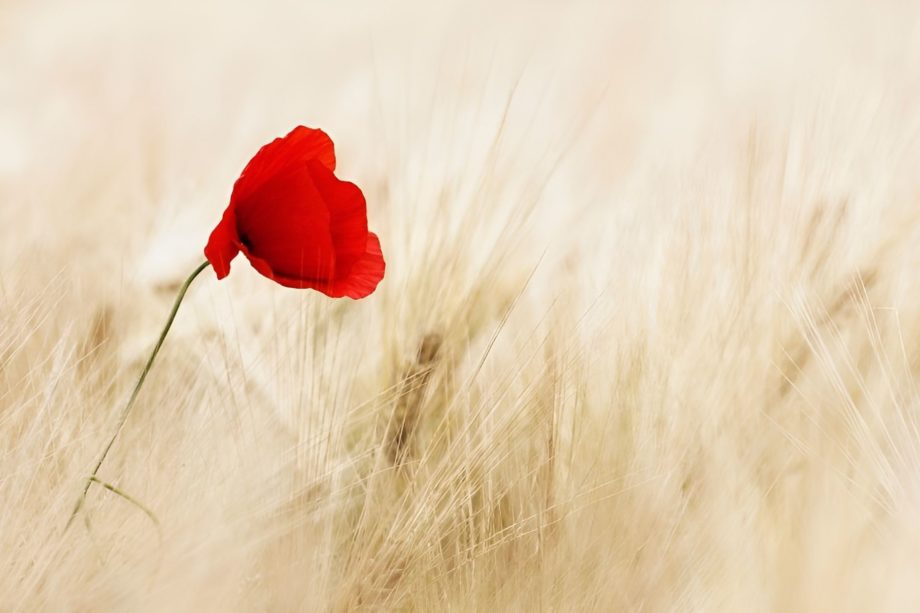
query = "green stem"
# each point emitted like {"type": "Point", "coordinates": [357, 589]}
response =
{"type": "Point", "coordinates": [137, 388]}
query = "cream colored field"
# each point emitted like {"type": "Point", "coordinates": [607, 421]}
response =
{"type": "Point", "coordinates": [649, 337]}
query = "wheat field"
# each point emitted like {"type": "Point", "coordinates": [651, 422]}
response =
{"type": "Point", "coordinates": [649, 337]}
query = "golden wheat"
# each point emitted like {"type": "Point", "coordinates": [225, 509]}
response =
{"type": "Point", "coordinates": [648, 341]}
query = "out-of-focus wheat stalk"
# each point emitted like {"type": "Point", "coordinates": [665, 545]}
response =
{"type": "Point", "coordinates": [649, 337]}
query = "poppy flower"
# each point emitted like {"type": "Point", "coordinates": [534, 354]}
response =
{"type": "Point", "coordinates": [297, 223]}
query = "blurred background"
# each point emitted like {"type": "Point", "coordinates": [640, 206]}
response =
{"type": "Point", "coordinates": [648, 338]}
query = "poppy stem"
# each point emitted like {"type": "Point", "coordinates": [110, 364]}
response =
{"type": "Point", "coordinates": [130, 404]}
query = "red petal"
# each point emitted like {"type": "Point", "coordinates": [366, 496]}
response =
{"type": "Point", "coordinates": [284, 228]}
{"type": "Point", "coordinates": [299, 147]}
{"type": "Point", "coordinates": [361, 281]}
{"type": "Point", "coordinates": [223, 244]}
{"type": "Point", "coordinates": [364, 275]}
{"type": "Point", "coordinates": [347, 217]}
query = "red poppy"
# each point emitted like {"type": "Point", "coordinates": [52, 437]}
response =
{"type": "Point", "coordinates": [297, 223]}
